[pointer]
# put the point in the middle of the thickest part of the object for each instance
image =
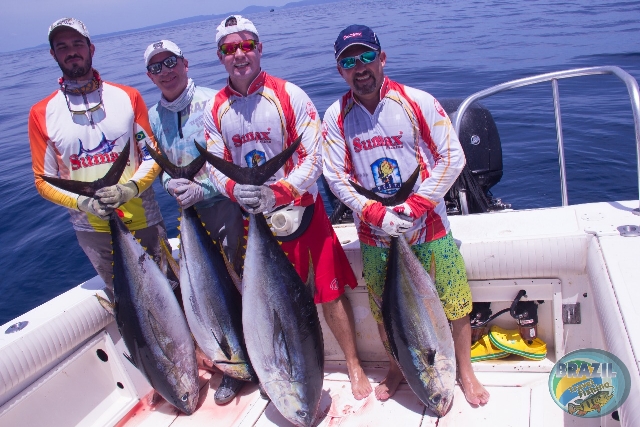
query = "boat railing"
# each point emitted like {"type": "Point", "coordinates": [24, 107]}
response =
{"type": "Point", "coordinates": [628, 79]}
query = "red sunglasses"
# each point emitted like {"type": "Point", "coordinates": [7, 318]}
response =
{"type": "Point", "coordinates": [231, 48]}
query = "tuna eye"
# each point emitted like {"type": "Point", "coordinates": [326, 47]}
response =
{"type": "Point", "coordinates": [302, 414]}
{"type": "Point", "coordinates": [435, 399]}
{"type": "Point", "coordinates": [185, 397]}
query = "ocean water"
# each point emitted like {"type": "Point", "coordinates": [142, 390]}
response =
{"type": "Point", "coordinates": [448, 48]}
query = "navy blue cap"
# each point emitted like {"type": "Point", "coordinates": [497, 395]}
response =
{"type": "Point", "coordinates": [356, 34]}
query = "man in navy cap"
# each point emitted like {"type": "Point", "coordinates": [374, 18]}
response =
{"type": "Point", "coordinates": [376, 135]}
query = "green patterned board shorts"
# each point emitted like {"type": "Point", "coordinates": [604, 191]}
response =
{"type": "Point", "coordinates": [451, 276]}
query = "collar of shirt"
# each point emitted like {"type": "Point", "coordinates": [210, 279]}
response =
{"type": "Point", "coordinates": [255, 85]}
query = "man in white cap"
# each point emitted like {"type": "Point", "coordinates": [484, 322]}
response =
{"type": "Point", "coordinates": [77, 132]}
{"type": "Point", "coordinates": [253, 119]}
{"type": "Point", "coordinates": [176, 120]}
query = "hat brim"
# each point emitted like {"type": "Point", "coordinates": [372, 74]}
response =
{"type": "Point", "coordinates": [366, 44]}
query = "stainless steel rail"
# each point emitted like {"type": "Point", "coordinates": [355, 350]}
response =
{"type": "Point", "coordinates": [628, 79]}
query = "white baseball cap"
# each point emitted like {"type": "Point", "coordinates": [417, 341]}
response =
{"type": "Point", "coordinates": [161, 46]}
{"type": "Point", "coordinates": [242, 24]}
{"type": "Point", "coordinates": [72, 23]}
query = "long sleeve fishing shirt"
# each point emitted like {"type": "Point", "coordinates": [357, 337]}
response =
{"type": "Point", "coordinates": [249, 130]}
{"type": "Point", "coordinates": [176, 132]}
{"type": "Point", "coordinates": [70, 141]}
{"type": "Point", "coordinates": [380, 151]}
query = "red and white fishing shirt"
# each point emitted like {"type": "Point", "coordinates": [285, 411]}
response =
{"type": "Point", "coordinates": [249, 130]}
{"type": "Point", "coordinates": [380, 151]}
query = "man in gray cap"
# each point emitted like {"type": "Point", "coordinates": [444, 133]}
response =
{"type": "Point", "coordinates": [177, 122]}
{"type": "Point", "coordinates": [77, 132]}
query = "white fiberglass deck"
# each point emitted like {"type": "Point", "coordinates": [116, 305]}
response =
{"type": "Point", "coordinates": [50, 373]}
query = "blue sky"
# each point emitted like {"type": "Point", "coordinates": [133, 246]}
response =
{"type": "Point", "coordinates": [25, 22]}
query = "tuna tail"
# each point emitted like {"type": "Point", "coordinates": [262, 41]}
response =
{"type": "Point", "coordinates": [398, 198]}
{"type": "Point", "coordinates": [257, 175]}
{"type": "Point", "coordinates": [187, 172]}
{"type": "Point", "coordinates": [89, 189]}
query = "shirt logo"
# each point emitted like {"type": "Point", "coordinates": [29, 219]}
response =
{"type": "Point", "coordinates": [377, 141]}
{"type": "Point", "coordinates": [439, 108]}
{"type": "Point", "coordinates": [102, 154]}
{"type": "Point", "coordinates": [255, 158]}
{"type": "Point", "coordinates": [311, 111]}
{"type": "Point", "coordinates": [238, 139]}
{"type": "Point", "coordinates": [140, 136]}
{"type": "Point", "coordinates": [386, 176]}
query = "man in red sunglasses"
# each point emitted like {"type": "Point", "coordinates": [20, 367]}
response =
{"type": "Point", "coordinates": [380, 132]}
{"type": "Point", "coordinates": [250, 121]}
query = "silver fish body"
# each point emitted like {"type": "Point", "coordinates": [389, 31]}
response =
{"type": "Point", "coordinates": [151, 322]}
{"type": "Point", "coordinates": [212, 303]}
{"type": "Point", "coordinates": [418, 329]}
{"type": "Point", "coordinates": [282, 328]}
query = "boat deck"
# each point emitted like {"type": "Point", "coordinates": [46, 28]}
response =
{"type": "Point", "coordinates": [517, 399]}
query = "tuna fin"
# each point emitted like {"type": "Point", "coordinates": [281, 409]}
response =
{"type": "Point", "coordinates": [107, 305]}
{"type": "Point", "coordinates": [398, 198]}
{"type": "Point", "coordinates": [164, 341]}
{"type": "Point", "coordinates": [223, 344]}
{"type": "Point", "coordinates": [257, 175]}
{"type": "Point", "coordinates": [280, 346]}
{"type": "Point", "coordinates": [230, 268]}
{"type": "Point", "coordinates": [89, 189]}
{"type": "Point", "coordinates": [311, 278]}
{"type": "Point", "coordinates": [187, 172]}
{"type": "Point", "coordinates": [129, 358]}
{"type": "Point", "coordinates": [172, 262]}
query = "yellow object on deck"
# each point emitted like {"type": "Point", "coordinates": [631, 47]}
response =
{"type": "Point", "coordinates": [483, 349]}
{"type": "Point", "coordinates": [510, 341]}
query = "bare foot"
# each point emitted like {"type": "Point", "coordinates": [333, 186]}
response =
{"type": "Point", "coordinates": [474, 392]}
{"type": "Point", "coordinates": [389, 384]}
{"type": "Point", "coordinates": [360, 386]}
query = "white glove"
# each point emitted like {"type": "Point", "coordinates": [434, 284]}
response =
{"type": "Point", "coordinates": [94, 207]}
{"type": "Point", "coordinates": [186, 192]}
{"type": "Point", "coordinates": [255, 198]}
{"type": "Point", "coordinates": [394, 224]}
{"type": "Point", "coordinates": [117, 195]}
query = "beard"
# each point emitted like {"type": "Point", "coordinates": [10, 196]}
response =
{"type": "Point", "coordinates": [76, 71]}
{"type": "Point", "coordinates": [367, 87]}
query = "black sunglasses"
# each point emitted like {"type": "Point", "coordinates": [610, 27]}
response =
{"type": "Point", "coordinates": [169, 62]}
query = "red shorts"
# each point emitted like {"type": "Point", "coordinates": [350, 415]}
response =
{"type": "Point", "coordinates": [330, 265]}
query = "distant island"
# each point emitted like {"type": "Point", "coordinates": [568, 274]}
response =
{"type": "Point", "coordinates": [200, 18]}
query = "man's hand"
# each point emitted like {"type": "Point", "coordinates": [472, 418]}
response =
{"type": "Point", "coordinates": [186, 192]}
{"type": "Point", "coordinates": [117, 195]}
{"type": "Point", "coordinates": [94, 207]}
{"type": "Point", "coordinates": [255, 198]}
{"type": "Point", "coordinates": [394, 224]}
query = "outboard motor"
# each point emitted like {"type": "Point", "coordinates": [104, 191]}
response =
{"type": "Point", "coordinates": [481, 144]}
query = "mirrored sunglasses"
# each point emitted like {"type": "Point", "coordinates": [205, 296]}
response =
{"type": "Point", "coordinates": [231, 48]}
{"type": "Point", "coordinates": [156, 67]}
{"type": "Point", "coordinates": [365, 58]}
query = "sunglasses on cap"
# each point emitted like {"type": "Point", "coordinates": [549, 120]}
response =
{"type": "Point", "coordinates": [231, 48]}
{"type": "Point", "coordinates": [365, 57]}
{"type": "Point", "coordinates": [168, 62]}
